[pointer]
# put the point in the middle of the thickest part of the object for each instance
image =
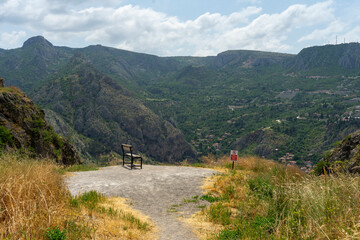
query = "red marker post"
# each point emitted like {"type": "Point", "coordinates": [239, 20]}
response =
{"type": "Point", "coordinates": [233, 157]}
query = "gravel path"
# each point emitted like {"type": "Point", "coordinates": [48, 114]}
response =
{"type": "Point", "coordinates": [157, 191]}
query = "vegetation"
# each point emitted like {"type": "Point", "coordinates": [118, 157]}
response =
{"type": "Point", "coordinates": [261, 199]}
{"type": "Point", "coordinates": [5, 137]}
{"type": "Point", "coordinates": [308, 101]}
{"type": "Point", "coordinates": [34, 204]}
{"type": "Point", "coordinates": [78, 168]}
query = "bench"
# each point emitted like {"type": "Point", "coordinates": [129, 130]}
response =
{"type": "Point", "coordinates": [128, 153]}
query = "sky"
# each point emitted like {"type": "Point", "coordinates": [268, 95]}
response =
{"type": "Point", "coordinates": [182, 27]}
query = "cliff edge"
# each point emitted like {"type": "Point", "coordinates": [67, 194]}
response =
{"type": "Point", "coordinates": [23, 126]}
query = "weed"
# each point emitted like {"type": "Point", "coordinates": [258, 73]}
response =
{"type": "Point", "coordinates": [77, 231]}
{"type": "Point", "coordinates": [229, 234]}
{"type": "Point", "coordinates": [193, 199]}
{"type": "Point", "coordinates": [220, 214]}
{"type": "Point", "coordinates": [90, 199]}
{"type": "Point", "coordinates": [55, 234]}
{"type": "Point", "coordinates": [77, 168]}
{"type": "Point", "coordinates": [81, 168]}
{"type": "Point", "coordinates": [261, 187]}
{"type": "Point", "coordinates": [209, 198]}
{"type": "Point", "coordinates": [172, 210]}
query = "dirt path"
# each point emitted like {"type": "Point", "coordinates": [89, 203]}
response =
{"type": "Point", "coordinates": [164, 193]}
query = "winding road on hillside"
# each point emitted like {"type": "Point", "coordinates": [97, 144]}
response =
{"type": "Point", "coordinates": [165, 193]}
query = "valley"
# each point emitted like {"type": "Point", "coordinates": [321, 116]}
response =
{"type": "Point", "coordinates": [261, 103]}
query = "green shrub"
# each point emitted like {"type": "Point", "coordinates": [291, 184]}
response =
{"type": "Point", "coordinates": [322, 167]}
{"type": "Point", "coordinates": [230, 234]}
{"type": "Point", "coordinates": [5, 136]}
{"type": "Point", "coordinates": [209, 198]}
{"type": "Point", "coordinates": [261, 187]}
{"type": "Point", "coordinates": [89, 199]}
{"type": "Point", "coordinates": [55, 234]}
{"type": "Point", "coordinates": [218, 213]}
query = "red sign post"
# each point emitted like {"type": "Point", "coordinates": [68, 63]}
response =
{"type": "Point", "coordinates": [233, 157]}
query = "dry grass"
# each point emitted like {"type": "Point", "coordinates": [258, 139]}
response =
{"type": "Point", "coordinates": [126, 224]}
{"type": "Point", "coordinates": [324, 207]}
{"type": "Point", "coordinates": [261, 199]}
{"type": "Point", "coordinates": [202, 227]}
{"type": "Point", "coordinates": [33, 200]}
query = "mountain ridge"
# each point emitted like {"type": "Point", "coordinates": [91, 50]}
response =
{"type": "Point", "coordinates": [236, 92]}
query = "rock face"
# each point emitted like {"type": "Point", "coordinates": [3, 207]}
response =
{"type": "Point", "coordinates": [347, 151]}
{"type": "Point", "coordinates": [344, 56]}
{"type": "Point", "coordinates": [26, 129]}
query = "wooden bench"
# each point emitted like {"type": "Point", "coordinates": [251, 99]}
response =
{"type": "Point", "coordinates": [127, 151]}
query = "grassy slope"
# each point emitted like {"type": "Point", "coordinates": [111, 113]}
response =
{"type": "Point", "coordinates": [261, 199]}
{"type": "Point", "coordinates": [34, 204]}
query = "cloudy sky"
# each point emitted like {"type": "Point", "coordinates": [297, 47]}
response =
{"type": "Point", "coordinates": [182, 27]}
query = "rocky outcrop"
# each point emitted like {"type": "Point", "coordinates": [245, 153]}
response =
{"type": "Point", "coordinates": [2, 83]}
{"type": "Point", "coordinates": [27, 129]}
{"type": "Point", "coordinates": [348, 152]}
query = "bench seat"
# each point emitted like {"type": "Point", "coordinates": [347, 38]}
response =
{"type": "Point", "coordinates": [128, 153]}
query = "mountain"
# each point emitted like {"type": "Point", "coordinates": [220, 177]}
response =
{"type": "Point", "coordinates": [27, 67]}
{"type": "Point", "coordinates": [342, 56]}
{"type": "Point", "coordinates": [23, 127]}
{"type": "Point", "coordinates": [247, 58]}
{"type": "Point", "coordinates": [306, 101]}
{"type": "Point", "coordinates": [102, 110]}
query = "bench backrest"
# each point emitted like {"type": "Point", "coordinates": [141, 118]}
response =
{"type": "Point", "coordinates": [126, 148]}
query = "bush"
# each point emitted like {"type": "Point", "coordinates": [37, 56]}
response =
{"type": "Point", "coordinates": [261, 187]}
{"type": "Point", "coordinates": [218, 213]}
{"type": "Point", "coordinates": [5, 136]}
{"type": "Point", "coordinates": [322, 167]}
{"type": "Point", "coordinates": [56, 234]}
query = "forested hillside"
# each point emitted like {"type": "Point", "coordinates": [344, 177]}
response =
{"type": "Point", "coordinates": [281, 106]}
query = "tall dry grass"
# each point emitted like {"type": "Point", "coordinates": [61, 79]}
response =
{"type": "Point", "coordinates": [32, 197]}
{"type": "Point", "coordinates": [34, 204]}
{"type": "Point", "coordinates": [318, 207]}
{"type": "Point", "coordinates": [262, 199]}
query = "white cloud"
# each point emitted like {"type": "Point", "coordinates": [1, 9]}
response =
{"type": "Point", "coordinates": [327, 33]}
{"type": "Point", "coordinates": [353, 35]}
{"type": "Point", "coordinates": [11, 39]}
{"type": "Point", "coordinates": [145, 30]}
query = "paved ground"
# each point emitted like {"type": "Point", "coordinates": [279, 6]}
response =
{"type": "Point", "coordinates": [157, 191]}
